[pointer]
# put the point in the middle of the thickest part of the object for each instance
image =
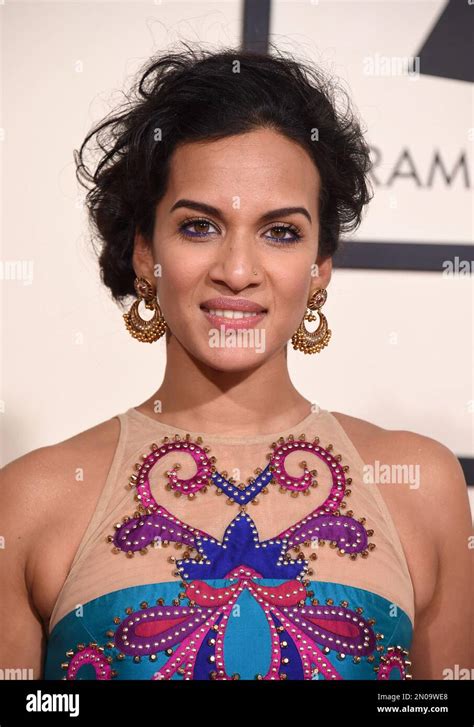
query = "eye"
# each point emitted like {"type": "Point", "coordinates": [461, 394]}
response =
{"type": "Point", "coordinates": [284, 229]}
{"type": "Point", "coordinates": [202, 225]}
{"type": "Point", "coordinates": [199, 223]}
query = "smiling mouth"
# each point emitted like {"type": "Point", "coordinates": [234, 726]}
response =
{"type": "Point", "coordinates": [229, 314]}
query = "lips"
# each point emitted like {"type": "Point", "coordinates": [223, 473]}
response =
{"type": "Point", "coordinates": [232, 304]}
{"type": "Point", "coordinates": [232, 318]}
{"type": "Point", "coordinates": [233, 315]}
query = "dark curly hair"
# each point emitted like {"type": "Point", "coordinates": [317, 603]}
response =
{"type": "Point", "coordinates": [195, 95]}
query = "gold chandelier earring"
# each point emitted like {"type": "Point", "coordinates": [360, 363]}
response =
{"type": "Point", "coordinates": [313, 341]}
{"type": "Point", "coordinates": [138, 327]}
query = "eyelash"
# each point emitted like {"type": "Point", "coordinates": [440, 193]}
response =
{"type": "Point", "coordinates": [186, 235]}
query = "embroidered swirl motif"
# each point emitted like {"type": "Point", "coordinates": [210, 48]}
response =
{"type": "Point", "coordinates": [153, 522]}
{"type": "Point", "coordinates": [90, 655]}
{"type": "Point", "coordinates": [302, 631]}
{"type": "Point", "coordinates": [199, 632]}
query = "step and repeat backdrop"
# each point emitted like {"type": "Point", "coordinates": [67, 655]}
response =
{"type": "Point", "coordinates": [400, 302]}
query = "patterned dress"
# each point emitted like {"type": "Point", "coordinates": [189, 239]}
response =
{"type": "Point", "coordinates": [220, 557]}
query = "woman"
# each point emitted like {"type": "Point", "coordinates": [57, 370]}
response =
{"type": "Point", "coordinates": [223, 189]}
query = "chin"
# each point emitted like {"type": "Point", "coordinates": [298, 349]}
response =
{"type": "Point", "coordinates": [233, 359]}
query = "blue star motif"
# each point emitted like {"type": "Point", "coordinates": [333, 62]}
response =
{"type": "Point", "coordinates": [240, 546]}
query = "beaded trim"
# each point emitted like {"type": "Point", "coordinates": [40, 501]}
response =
{"type": "Point", "coordinates": [302, 631]}
{"type": "Point", "coordinates": [153, 523]}
{"type": "Point", "coordinates": [192, 636]}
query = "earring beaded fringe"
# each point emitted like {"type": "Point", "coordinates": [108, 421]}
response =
{"type": "Point", "coordinates": [144, 330]}
{"type": "Point", "coordinates": [313, 341]}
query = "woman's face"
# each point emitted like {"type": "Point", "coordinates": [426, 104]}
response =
{"type": "Point", "coordinates": [216, 235]}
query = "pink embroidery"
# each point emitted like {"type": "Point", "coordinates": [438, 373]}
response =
{"type": "Point", "coordinates": [300, 484]}
{"type": "Point", "coordinates": [242, 557]}
{"type": "Point", "coordinates": [193, 484]}
{"type": "Point", "coordinates": [340, 628]}
{"type": "Point", "coordinates": [394, 659]}
{"type": "Point", "coordinates": [90, 655]}
{"type": "Point", "coordinates": [324, 522]}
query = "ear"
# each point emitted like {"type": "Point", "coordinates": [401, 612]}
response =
{"type": "Point", "coordinates": [322, 274]}
{"type": "Point", "coordinates": [143, 260]}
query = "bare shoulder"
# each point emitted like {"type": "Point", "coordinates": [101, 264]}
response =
{"type": "Point", "coordinates": [45, 464]}
{"type": "Point", "coordinates": [400, 445]}
{"type": "Point", "coordinates": [442, 492]}
{"type": "Point", "coordinates": [435, 525]}
{"type": "Point", "coordinates": [43, 483]}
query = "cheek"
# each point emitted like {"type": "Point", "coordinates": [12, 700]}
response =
{"type": "Point", "coordinates": [292, 281]}
{"type": "Point", "coordinates": [291, 285]}
{"type": "Point", "coordinates": [178, 286]}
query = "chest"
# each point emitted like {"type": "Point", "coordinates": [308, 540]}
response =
{"type": "Point", "coordinates": [55, 553]}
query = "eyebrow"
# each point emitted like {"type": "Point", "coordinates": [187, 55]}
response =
{"type": "Point", "coordinates": [267, 217]}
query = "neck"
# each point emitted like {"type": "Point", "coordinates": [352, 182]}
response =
{"type": "Point", "coordinates": [196, 396]}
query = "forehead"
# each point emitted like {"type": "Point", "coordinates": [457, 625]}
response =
{"type": "Point", "coordinates": [259, 164]}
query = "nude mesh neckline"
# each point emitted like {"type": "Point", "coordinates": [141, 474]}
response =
{"type": "Point", "coordinates": [296, 429]}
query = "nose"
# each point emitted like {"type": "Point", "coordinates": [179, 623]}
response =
{"type": "Point", "coordinates": [236, 264]}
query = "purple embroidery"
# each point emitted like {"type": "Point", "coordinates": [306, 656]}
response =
{"type": "Point", "coordinates": [311, 628]}
{"type": "Point", "coordinates": [349, 535]}
{"type": "Point", "coordinates": [196, 631]}
{"type": "Point", "coordinates": [324, 523]}
{"type": "Point", "coordinates": [193, 635]}
{"type": "Point", "coordinates": [139, 532]}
